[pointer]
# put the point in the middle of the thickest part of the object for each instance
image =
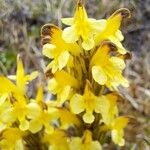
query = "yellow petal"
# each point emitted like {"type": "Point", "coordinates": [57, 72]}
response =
{"type": "Point", "coordinates": [8, 116]}
{"type": "Point", "coordinates": [88, 118]}
{"type": "Point", "coordinates": [20, 76]}
{"type": "Point", "coordinates": [114, 21]}
{"type": "Point", "coordinates": [95, 145]}
{"type": "Point", "coordinates": [113, 25]}
{"type": "Point", "coordinates": [48, 50]}
{"type": "Point", "coordinates": [98, 105]}
{"type": "Point", "coordinates": [68, 117]}
{"type": "Point", "coordinates": [118, 63]}
{"type": "Point", "coordinates": [49, 129]}
{"type": "Point", "coordinates": [33, 110]}
{"type": "Point", "coordinates": [64, 95]}
{"type": "Point", "coordinates": [69, 35]}
{"type": "Point", "coordinates": [32, 76]}
{"type": "Point", "coordinates": [74, 48]}
{"type": "Point", "coordinates": [121, 80]}
{"type": "Point", "coordinates": [119, 35]}
{"type": "Point", "coordinates": [63, 59]}
{"type": "Point", "coordinates": [35, 126]}
{"type": "Point", "coordinates": [98, 25]}
{"type": "Point", "coordinates": [121, 122]}
{"type": "Point", "coordinates": [117, 130]}
{"type": "Point", "coordinates": [99, 75]}
{"type": "Point", "coordinates": [121, 49]}
{"type": "Point", "coordinates": [77, 104]}
{"type": "Point", "coordinates": [102, 54]}
{"type": "Point", "coordinates": [63, 78]}
{"type": "Point", "coordinates": [67, 21]}
{"type": "Point", "coordinates": [19, 145]}
{"type": "Point", "coordinates": [40, 96]}
{"type": "Point", "coordinates": [117, 137]}
{"type": "Point", "coordinates": [24, 125]}
{"type": "Point", "coordinates": [6, 85]}
{"type": "Point", "coordinates": [53, 86]}
{"type": "Point", "coordinates": [88, 44]}
{"type": "Point", "coordinates": [3, 98]}
{"type": "Point", "coordinates": [52, 65]}
{"type": "Point", "coordinates": [76, 143]}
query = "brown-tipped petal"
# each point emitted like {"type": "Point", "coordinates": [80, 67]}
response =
{"type": "Point", "coordinates": [115, 20]}
{"type": "Point", "coordinates": [126, 56]}
{"type": "Point", "coordinates": [47, 29]}
{"type": "Point", "coordinates": [113, 95]}
{"type": "Point", "coordinates": [120, 98]}
{"type": "Point", "coordinates": [133, 121]}
{"type": "Point", "coordinates": [47, 32]}
{"type": "Point", "coordinates": [45, 40]}
{"type": "Point", "coordinates": [124, 12]}
{"type": "Point", "coordinates": [48, 74]}
{"type": "Point", "coordinates": [103, 51]}
{"type": "Point", "coordinates": [111, 45]}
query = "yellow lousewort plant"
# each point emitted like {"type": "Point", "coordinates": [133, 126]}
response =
{"type": "Point", "coordinates": [86, 67]}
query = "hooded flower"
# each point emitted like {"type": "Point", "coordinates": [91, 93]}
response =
{"type": "Point", "coordinates": [20, 111]}
{"type": "Point", "coordinates": [108, 108]}
{"type": "Point", "coordinates": [106, 69]}
{"type": "Point", "coordinates": [112, 32]}
{"type": "Point", "coordinates": [45, 115]}
{"type": "Point", "coordinates": [55, 48]}
{"type": "Point", "coordinates": [82, 26]}
{"type": "Point", "coordinates": [62, 84]}
{"type": "Point", "coordinates": [87, 102]}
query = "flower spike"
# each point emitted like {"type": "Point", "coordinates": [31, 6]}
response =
{"type": "Point", "coordinates": [78, 103]}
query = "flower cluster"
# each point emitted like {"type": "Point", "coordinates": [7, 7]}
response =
{"type": "Point", "coordinates": [86, 66]}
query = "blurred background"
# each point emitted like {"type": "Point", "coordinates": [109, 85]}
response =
{"type": "Point", "coordinates": [20, 24]}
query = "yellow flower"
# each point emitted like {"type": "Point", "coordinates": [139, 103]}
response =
{"type": "Point", "coordinates": [44, 119]}
{"type": "Point", "coordinates": [62, 85]}
{"type": "Point", "coordinates": [117, 130]}
{"type": "Point", "coordinates": [84, 143]}
{"type": "Point", "coordinates": [108, 108]}
{"type": "Point", "coordinates": [111, 31]}
{"type": "Point", "coordinates": [20, 111]}
{"type": "Point", "coordinates": [56, 48]}
{"type": "Point", "coordinates": [82, 26]}
{"type": "Point", "coordinates": [45, 114]}
{"type": "Point", "coordinates": [16, 107]}
{"type": "Point", "coordinates": [21, 78]}
{"type": "Point", "coordinates": [58, 140]}
{"type": "Point", "coordinates": [106, 69]}
{"type": "Point", "coordinates": [9, 94]}
{"type": "Point", "coordinates": [88, 103]}
{"type": "Point", "coordinates": [12, 139]}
